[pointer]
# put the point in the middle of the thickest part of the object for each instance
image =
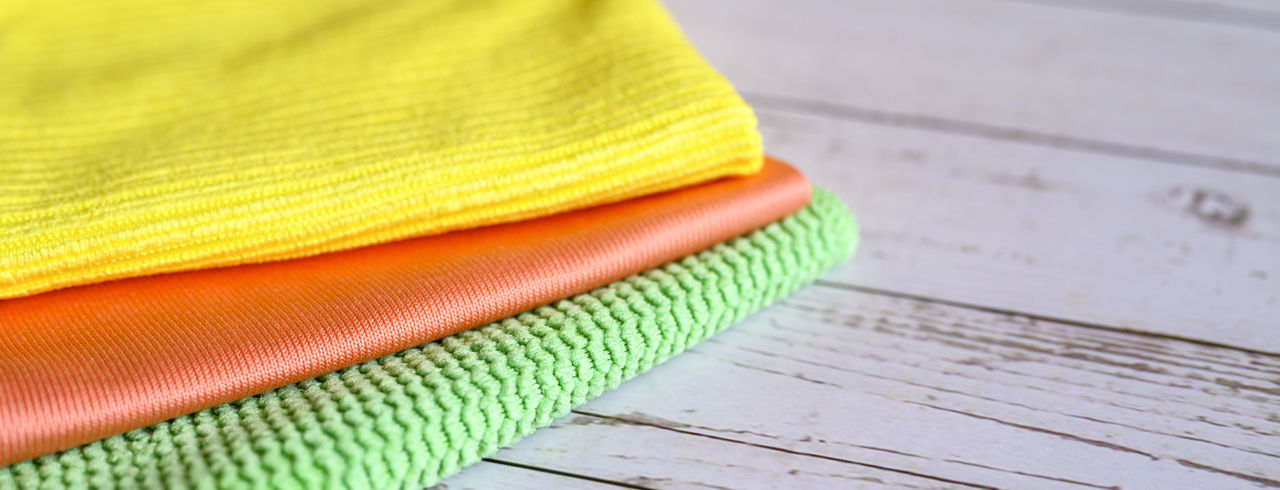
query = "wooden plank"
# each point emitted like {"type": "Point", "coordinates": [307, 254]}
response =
{"type": "Point", "coordinates": [487, 475]}
{"type": "Point", "coordinates": [1129, 243]}
{"type": "Point", "coordinates": [1256, 5]}
{"type": "Point", "coordinates": [970, 396]}
{"type": "Point", "coordinates": [1225, 10]}
{"type": "Point", "coordinates": [1186, 92]}
{"type": "Point", "coordinates": [635, 451]}
{"type": "Point", "coordinates": [909, 114]}
{"type": "Point", "coordinates": [1239, 14]}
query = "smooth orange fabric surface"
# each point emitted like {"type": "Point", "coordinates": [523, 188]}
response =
{"type": "Point", "coordinates": [80, 364]}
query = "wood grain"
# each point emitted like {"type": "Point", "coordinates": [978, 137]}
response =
{"type": "Point", "coordinates": [1127, 243]}
{"type": "Point", "coordinates": [1255, 14]}
{"type": "Point", "coordinates": [1207, 8]}
{"type": "Point", "coordinates": [487, 475]}
{"type": "Point", "coordinates": [656, 453]}
{"type": "Point", "coordinates": [959, 394]}
{"type": "Point", "coordinates": [1069, 274]}
{"type": "Point", "coordinates": [1187, 92]}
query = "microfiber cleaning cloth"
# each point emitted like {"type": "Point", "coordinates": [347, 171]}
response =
{"type": "Point", "coordinates": [146, 136]}
{"type": "Point", "coordinates": [408, 419]}
{"type": "Point", "coordinates": [84, 363]}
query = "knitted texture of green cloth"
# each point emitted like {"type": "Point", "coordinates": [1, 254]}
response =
{"type": "Point", "coordinates": [408, 419]}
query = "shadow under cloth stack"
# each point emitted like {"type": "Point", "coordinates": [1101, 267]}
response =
{"type": "Point", "coordinates": [358, 243]}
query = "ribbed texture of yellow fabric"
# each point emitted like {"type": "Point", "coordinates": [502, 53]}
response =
{"type": "Point", "coordinates": [146, 136]}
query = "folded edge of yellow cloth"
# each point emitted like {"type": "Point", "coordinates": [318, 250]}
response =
{"type": "Point", "coordinates": [143, 136]}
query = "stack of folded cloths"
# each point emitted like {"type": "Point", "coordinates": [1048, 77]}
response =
{"type": "Point", "coordinates": [361, 243]}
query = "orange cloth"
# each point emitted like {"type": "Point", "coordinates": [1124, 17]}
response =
{"type": "Point", "coordinates": [84, 363]}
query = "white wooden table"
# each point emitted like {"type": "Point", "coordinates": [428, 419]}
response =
{"type": "Point", "coordinates": [1070, 264]}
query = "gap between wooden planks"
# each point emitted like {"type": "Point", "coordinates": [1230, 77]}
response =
{"type": "Point", "coordinates": [1199, 92]}
{"type": "Point", "coordinates": [1119, 242]}
{"type": "Point", "coordinates": [1254, 14]}
{"type": "Point", "coordinates": [834, 388]}
{"type": "Point", "coordinates": [1120, 229]}
{"type": "Point", "coordinates": [490, 474]}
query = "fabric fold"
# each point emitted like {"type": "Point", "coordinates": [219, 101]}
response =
{"type": "Point", "coordinates": [147, 136]}
{"type": "Point", "coordinates": [408, 419]}
{"type": "Point", "coordinates": [84, 363]}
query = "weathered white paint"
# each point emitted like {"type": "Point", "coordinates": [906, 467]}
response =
{"type": "Point", "coordinates": [970, 396]}
{"type": "Point", "coordinates": [1227, 11]}
{"type": "Point", "coordinates": [1205, 93]}
{"type": "Point", "coordinates": [637, 450]}
{"type": "Point", "coordinates": [486, 476]}
{"type": "Point", "coordinates": [1109, 164]}
{"type": "Point", "coordinates": [1172, 249]}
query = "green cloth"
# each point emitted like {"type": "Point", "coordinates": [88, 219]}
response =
{"type": "Point", "coordinates": [409, 419]}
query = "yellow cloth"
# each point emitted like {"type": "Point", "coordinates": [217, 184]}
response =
{"type": "Point", "coordinates": [146, 136]}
